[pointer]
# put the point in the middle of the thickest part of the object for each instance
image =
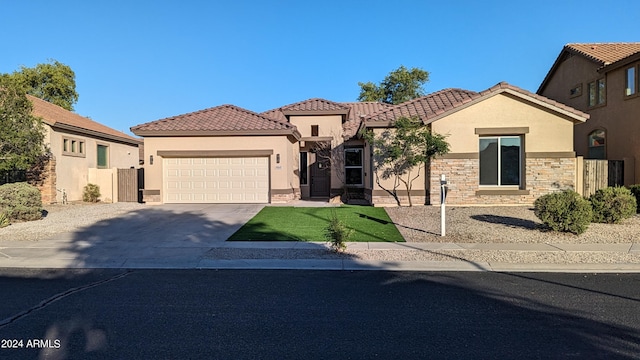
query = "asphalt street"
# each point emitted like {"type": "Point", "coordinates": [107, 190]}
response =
{"type": "Point", "coordinates": [281, 314]}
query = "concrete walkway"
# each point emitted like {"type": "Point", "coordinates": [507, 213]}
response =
{"type": "Point", "coordinates": [63, 251]}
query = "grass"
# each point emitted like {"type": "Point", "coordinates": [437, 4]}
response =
{"type": "Point", "coordinates": [309, 223]}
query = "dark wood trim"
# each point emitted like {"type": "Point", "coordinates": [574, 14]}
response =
{"type": "Point", "coordinates": [474, 155]}
{"type": "Point", "coordinates": [213, 153]}
{"type": "Point", "coordinates": [150, 192]}
{"type": "Point", "coordinates": [502, 131]}
{"type": "Point", "coordinates": [551, 154]}
{"type": "Point", "coordinates": [502, 192]}
{"type": "Point", "coordinates": [316, 138]}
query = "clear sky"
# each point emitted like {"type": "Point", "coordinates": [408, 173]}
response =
{"type": "Point", "coordinates": [140, 60]}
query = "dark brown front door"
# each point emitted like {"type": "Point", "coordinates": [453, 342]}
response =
{"type": "Point", "coordinates": [321, 176]}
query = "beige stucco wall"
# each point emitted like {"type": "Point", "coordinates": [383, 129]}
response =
{"type": "Point", "coordinates": [72, 172]}
{"type": "Point", "coordinates": [618, 117]}
{"type": "Point", "coordinates": [548, 132]}
{"type": "Point", "coordinates": [283, 175]}
{"type": "Point", "coordinates": [328, 126]}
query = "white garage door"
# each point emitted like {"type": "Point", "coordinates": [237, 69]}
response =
{"type": "Point", "coordinates": [216, 180]}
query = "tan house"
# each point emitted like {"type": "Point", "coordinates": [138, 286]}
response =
{"type": "Point", "coordinates": [602, 79]}
{"type": "Point", "coordinates": [508, 146]}
{"type": "Point", "coordinates": [80, 150]}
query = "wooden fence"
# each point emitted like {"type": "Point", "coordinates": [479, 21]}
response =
{"type": "Point", "coordinates": [599, 174]}
{"type": "Point", "coordinates": [130, 181]}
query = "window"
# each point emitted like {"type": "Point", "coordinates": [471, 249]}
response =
{"type": "Point", "coordinates": [314, 130]}
{"type": "Point", "coordinates": [303, 168]}
{"type": "Point", "coordinates": [500, 161]}
{"type": "Point", "coordinates": [353, 166]}
{"type": "Point", "coordinates": [597, 92]}
{"type": "Point", "coordinates": [73, 147]}
{"type": "Point", "coordinates": [575, 91]}
{"type": "Point", "coordinates": [597, 144]}
{"type": "Point", "coordinates": [103, 156]}
{"type": "Point", "coordinates": [631, 83]}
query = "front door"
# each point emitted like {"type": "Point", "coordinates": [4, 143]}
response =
{"type": "Point", "coordinates": [321, 175]}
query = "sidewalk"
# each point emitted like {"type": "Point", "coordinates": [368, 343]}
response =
{"type": "Point", "coordinates": [57, 253]}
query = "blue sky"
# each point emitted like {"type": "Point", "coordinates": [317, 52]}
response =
{"type": "Point", "coordinates": [137, 61]}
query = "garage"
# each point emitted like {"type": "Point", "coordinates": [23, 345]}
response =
{"type": "Point", "coordinates": [216, 180]}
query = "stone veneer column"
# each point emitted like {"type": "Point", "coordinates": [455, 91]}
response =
{"type": "Point", "coordinates": [43, 176]}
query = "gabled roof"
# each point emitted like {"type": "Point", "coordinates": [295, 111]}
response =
{"type": "Point", "coordinates": [358, 111]}
{"type": "Point", "coordinates": [58, 117]}
{"type": "Point", "coordinates": [219, 120]}
{"type": "Point", "coordinates": [437, 105]}
{"type": "Point", "coordinates": [605, 55]}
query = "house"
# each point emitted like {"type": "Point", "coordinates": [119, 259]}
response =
{"type": "Point", "coordinates": [80, 147]}
{"type": "Point", "coordinates": [603, 80]}
{"type": "Point", "coordinates": [312, 149]}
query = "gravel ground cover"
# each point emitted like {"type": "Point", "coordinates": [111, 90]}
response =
{"type": "Point", "coordinates": [507, 224]}
{"type": "Point", "coordinates": [65, 218]}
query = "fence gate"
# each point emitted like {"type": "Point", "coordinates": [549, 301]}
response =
{"type": "Point", "coordinates": [599, 174]}
{"type": "Point", "coordinates": [128, 185]}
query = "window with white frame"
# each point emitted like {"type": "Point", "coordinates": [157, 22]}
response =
{"type": "Point", "coordinates": [501, 161]}
{"type": "Point", "coordinates": [353, 166]}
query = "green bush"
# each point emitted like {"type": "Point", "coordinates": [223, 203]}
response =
{"type": "Point", "coordinates": [635, 190]}
{"type": "Point", "coordinates": [337, 233]}
{"type": "Point", "coordinates": [565, 211]}
{"type": "Point", "coordinates": [21, 201]}
{"type": "Point", "coordinates": [91, 193]}
{"type": "Point", "coordinates": [4, 219]}
{"type": "Point", "coordinates": [612, 205]}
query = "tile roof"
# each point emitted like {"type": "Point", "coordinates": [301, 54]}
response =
{"type": "Point", "coordinates": [605, 53]}
{"type": "Point", "coordinates": [426, 107]}
{"type": "Point", "coordinates": [433, 106]}
{"type": "Point", "coordinates": [358, 111]}
{"type": "Point", "coordinates": [315, 104]}
{"type": "Point", "coordinates": [57, 116]}
{"type": "Point", "coordinates": [224, 118]}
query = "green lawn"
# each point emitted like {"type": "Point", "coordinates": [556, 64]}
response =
{"type": "Point", "coordinates": [275, 223]}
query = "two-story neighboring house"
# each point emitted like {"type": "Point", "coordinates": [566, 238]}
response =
{"type": "Point", "coordinates": [603, 80]}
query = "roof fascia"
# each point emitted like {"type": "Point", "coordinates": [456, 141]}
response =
{"type": "Point", "coordinates": [620, 63]}
{"type": "Point", "coordinates": [564, 52]}
{"type": "Point", "coordinates": [169, 133]}
{"type": "Point", "coordinates": [98, 134]}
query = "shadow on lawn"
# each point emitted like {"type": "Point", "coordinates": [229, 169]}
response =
{"type": "Point", "coordinates": [508, 221]}
{"type": "Point", "coordinates": [382, 221]}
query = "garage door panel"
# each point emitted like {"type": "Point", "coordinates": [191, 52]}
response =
{"type": "Point", "coordinates": [216, 180]}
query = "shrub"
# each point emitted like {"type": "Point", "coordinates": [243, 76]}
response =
{"type": "Point", "coordinates": [337, 233]}
{"type": "Point", "coordinates": [91, 193]}
{"type": "Point", "coordinates": [4, 219]}
{"type": "Point", "coordinates": [21, 201]}
{"type": "Point", "coordinates": [635, 190]}
{"type": "Point", "coordinates": [612, 205]}
{"type": "Point", "coordinates": [565, 211]}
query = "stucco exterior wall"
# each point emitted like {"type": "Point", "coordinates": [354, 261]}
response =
{"type": "Point", "coordinates": [618, 117]}
{"type": "Point", "coordinates": [72, 170]}
{"type": "Point", "coordinates": [283, 175]}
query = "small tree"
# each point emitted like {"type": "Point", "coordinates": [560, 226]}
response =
{"type": "Point", "coordinates": [21, 134]}
{"type": "Point", "coordinates": [401, 153]}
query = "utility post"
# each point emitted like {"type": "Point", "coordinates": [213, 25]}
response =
{"type": "Point", "coordinates": [443, 198]}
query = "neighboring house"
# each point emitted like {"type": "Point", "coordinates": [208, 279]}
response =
{"type": "Point", "coordinates": [602, 79]}
{"type": "Point", "coordinates": [78, 146]}
{"type": "Point", "coordinates": [311, 149]}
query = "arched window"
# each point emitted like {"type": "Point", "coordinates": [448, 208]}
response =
{"type": "Point", "coordinates": [597, 141]}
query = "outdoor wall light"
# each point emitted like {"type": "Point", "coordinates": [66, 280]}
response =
{"type": "Point", "coordinates": [150, 159]}
{"type": "Point", "coordinates": [277, 158]}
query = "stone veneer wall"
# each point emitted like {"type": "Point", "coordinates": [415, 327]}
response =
{"type": "Point", "coordinates": [43, 176]}
{"type": "Point", "coordinates": [283, 198]}
{"type": "Point", "coordinates": [542, 176]}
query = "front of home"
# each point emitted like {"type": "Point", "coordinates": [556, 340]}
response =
{"type": "Point", "coordinates": [603, 80]}
{"type": "Point", "coordinates": [80, 149]}
{"type": "Point", "coordinates": [508, 146]}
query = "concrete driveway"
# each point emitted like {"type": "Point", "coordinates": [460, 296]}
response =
{"type": "Point", "coordinates": [167, 235]}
